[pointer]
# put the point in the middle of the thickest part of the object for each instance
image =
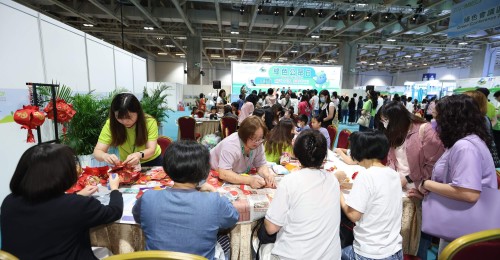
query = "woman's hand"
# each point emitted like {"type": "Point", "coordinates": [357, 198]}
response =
{"type": "Point", "coordinates": [414, 193]}
{"type": "Point", "coordinates": [257, 182]}
{"type": "Point", "coordinates": [111, 159]}
{"type": "Point", "coordinates": [422, 189]}
{"type": "Point", "coordinates": [88, 190]}
{"type": "Point", "coordinates": [270, 180]}
{"type": "Point", "coordinates": [133, 159]}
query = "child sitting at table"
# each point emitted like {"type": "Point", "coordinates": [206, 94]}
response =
{"type": "Point", "coordinates": [279, 140]}
{"type": "Point", "coordinates": [316, 122]}
{"type": "Point", "coordinates": [213, 113]}
{"type": "Point", "coordinates": [305, 210]}
{"type": "Point", "coordinates": [375, 202]}
{"type": "Point", "coordinates": [302, 121]}
{"type": "Point", "coordinates": [181, 218]}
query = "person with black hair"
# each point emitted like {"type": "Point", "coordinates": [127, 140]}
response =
{"type": "Point", "coordinates": [375, 201]}
{"type": "Point", "coordinates": [260, 113]}
{"type": "Point", "coordinates": [132, 131]}
{"type": "Point", "coordinates": [247, 108]}
{"type": "Point", "coordinates": [302, 123]}
{"type": "Point", "coordinates": [220, 101]}
{"type": "Point", "coordinates": [234, 108]}
{"type": "Point", "coordinates": [466, 167]}
{"type": "Point", "coordinates": [316, 124]}
{"type": "Point", "coordinates": [201, 103]}
{"type": "Point", "coordinates": [369, 109]}
{"type": "Point", "coordinates": [496, 127]}
{"type": "Point", "coordinates": [40, 221]}
{"type": "Point", "coordinates": [271, 97]}
{"type": "Point", "coordinates": [228, 112]}
{"type": "Point", "coordinates": [181, 218]}
{"type": "Point", "coordinates": [279, 140]}
{"type": "Point", "coordinates": [305, 211]}
{"type": "Point", "coordinates": [352, 110]}
{"type": "Point", "coordinates": [359, 108]}
{"type": "Point", "coordinates": [490, 108]}
{"type": "Point", "coordinates": [327, 109]}
{"type": "Point", "coordinates": [273, 115]}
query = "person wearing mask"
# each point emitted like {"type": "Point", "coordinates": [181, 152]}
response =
{"type": "Point", "coordinates": [181, 218]}
{"type": "Point", "coordinates": [327, 108]}
{"type": "Point", "coordinates": [132, 131]}
{"type": "Point", "coordinates": [414, 149]}
{"type": "Point", "coordinates": [314, 101]}
{"type": "Point", "coordinates": [306, 221]}
{"type": "Point", "coordinates": [238, 153]}
{"type": "Point", "coordinates": [374, 202]}
{"type": "Point", "coordinates": [466, 167]}
{"type": "Point", "coordinates": [316, 124]}
{"type": "Point", "coordinates": [39, 220]}
{"type": "Point", "coordinates": [302, 121]}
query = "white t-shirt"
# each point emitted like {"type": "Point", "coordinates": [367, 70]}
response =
{"type": "Point", "coordinates": [380, 103]}
{"type": "Point", "coordinates": [219, 100]}
{"type": "Point", "coordinates": [315, 100]}
{"type": "Point", "coordinates": [377, 194]}
{"type": "Point", "coordinates": [307, 207]}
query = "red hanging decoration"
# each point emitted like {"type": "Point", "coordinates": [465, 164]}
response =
{"type": "Point", "coordinates": [29, 117]}
{"type": "Point", "coordinates": [65, 112]}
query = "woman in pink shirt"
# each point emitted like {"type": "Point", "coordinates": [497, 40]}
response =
{"type": "Point", "coordinates": [247, 108]}
{"type": "Point", "coordinates": [304, 106]}
{"type": "Point", "coordinates": [414, 149]}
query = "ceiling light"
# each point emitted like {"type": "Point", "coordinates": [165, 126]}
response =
{"type": "Point", "coordinates": [282, 58]}
{"type": "Point", "coordinates": [315, 36]}
{"type": "Point", "coordinates": [391, 40]}
{"type": "Point", "coordinates": [303, 13]}
{"type": "Point", "coordinates": [88, 25]}
{"type": "Point", "coordinates": [320, 13]}
{"type": "Point", "coordinates": [379, 62]}
{"type": "Point", "coordinates": [425, 64]}
{"type": "Point", "coordinates": [266, 58]}
{"type": "Point", "coordinates": [407, 56]}
{"type": "Point", "coordinates": [235, 32]}
{"type": "Point", "coordinates": [368, 16]}
{"type": "Point", "coordinates": [162, 53]}
{"type": "Point", "coordinates": [363, 62]}
{"type": "Point", "coordinates": [371, 64]}
{"type": "Point", "coordinates": [215, 56]}
{"type": "Point", "coordinates": [232, 56]}
{"type": "Point", "coordinates": [179, 54]}
{"type": "Point", "coordinates": [336, 15]}
{"type": "Point", "coordinates": [276, 12]}
{"type": "Point", "coordinates": [259, 9]}
{"type": "Point", "coordinates": [291, 10]}
{"type": "Point", "coordinates": [409, 63]}
{"type": "Point", "coordinates": [242, 9]}
{"type": "Point", "coordinates": [462, 43]}
{"type": "Point", "coordinates": [169, 45]}
{"type": "Point", "coordinates": [315, 60]}
{"type": "Point", "coordinates": [148, 28]}
{"type": "Point", "coordinates": [294, 51]}
{"type": "Point", "coordinates": [353, 13]}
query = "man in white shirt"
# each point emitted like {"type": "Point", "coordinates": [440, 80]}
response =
{"type": "Point", "coordinates": [380, 101]}
{"type": "Point", "coordinates": [314, 101]}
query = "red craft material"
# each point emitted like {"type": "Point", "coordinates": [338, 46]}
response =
{"type": "Point", "coordinates": [29, 117]}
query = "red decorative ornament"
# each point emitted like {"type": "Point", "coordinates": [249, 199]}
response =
{"type": "Point", "coordinates": [65, 112]}
{"type": "Point", "coordinates": [29, 117]}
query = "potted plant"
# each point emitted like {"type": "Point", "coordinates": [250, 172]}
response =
{"type": "Point", "coordinates": [154, 103]}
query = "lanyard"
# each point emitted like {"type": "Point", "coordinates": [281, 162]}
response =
{"type": "Point", "coordinates": [246, 158]}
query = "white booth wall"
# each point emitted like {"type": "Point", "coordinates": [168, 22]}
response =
{"type": "Point", "coordinates": [37, 48]}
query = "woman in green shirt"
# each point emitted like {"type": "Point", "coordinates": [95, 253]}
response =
{"type": "Point", "coordinates": [369, 108]}
{"type": "Point", "coordinates": [132, 131]}
{"type": "Point", "coordinates": [279, 140]}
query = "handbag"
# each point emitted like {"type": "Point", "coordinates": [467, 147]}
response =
{"type": "Point", "coordinates": [364, 120]}
{"type": "Point", "coordinates": [262, 235]}
{"type": "Point", "coordinates": [449, 219]}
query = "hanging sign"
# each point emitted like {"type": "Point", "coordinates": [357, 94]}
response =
{"type": "Point", "coordinates": [472, 16]}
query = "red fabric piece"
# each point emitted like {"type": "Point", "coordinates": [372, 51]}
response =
{"type": "Point", "coordinates": [29, 117]}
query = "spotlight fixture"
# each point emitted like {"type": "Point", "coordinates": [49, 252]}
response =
{"type": "Point", "coordinates": [391, 40]}
{"type": "Point", "coordinates": [462, 43]}
{"type": "Point", "coordinates": [149, 28]}
{"type": "Point", "coordinates": [291, 10]}
{"type": "Point", "coordinates": [276, 12]}
{"type": "Point", "coordinates": [386, 16]}
{"type": "Point", "coordinates": [242, 9]}
{"type": "Point", "coordinates": [88, 25]}
{"type": "Point", "coordinates": [414, 18]}
{"type": "Point", "coordinates": [336, 15]}
{"type": "Point", "coordinates": [315, 36]}
{"type": "Point", "coordinates": [368, 16]}
{"type": "Point", "coordinates": [320, 13]}
{"type": "Point", "coordinates": [353, 13]}
{"type": "Point", "coordinates": [202, 73]}
{"type": "Point", "coordinates": [259, 9]}
{"type": "Point", "coordinates": [303, 13]}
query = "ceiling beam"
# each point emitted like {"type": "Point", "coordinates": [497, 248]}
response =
{"type": "Point", "coordinates": [157, 45]}
{"type": "Point", "coordinates": [139, 46]}
{"type": "Point", "coordinates": [428, 34]}
{"type": "Point", "coordinates": [223, 54]}
{"type": "Point", "coordinates": [304, 52]}
{"type": "Point", "coordinates": [183, 16]}
{"type": "Point", "coordinates": [364, 35]}
{"type": "Point", "coordinates": [217, 13]}
{"type": "Point", "coordinates": [109, 12]}
{"type": "Point", "coordinates": [288, 20]}
{"type": "Point", "coordinates": [481, 37]}
{"type": "Point", "coordinates": [268, 43]}
{"type": "Point", "coordinates": [283, 53]}
{"type": "Point", "coordinates": [348, 26]}
{"type": "Point", "coordinates": [208, 58]}
{"type": "Point", "coordinates": [73, 11]}
{"type": "Point", "coordinates": [243, 49]}
{"type": "Point", "coordinates": [253, 15]}
{"type": "Point", "coordinates": [318, 25]}
{"type": "Point", "coordinates": [420, 25]}
{"type": "Point", "coordinates": [325, 53]}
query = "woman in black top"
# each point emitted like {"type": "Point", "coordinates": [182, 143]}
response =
{"type": "Point", "coordinates": [352, 110]}
{"type": "Point", "coordinates": [40, 221]}
{"type": "Point", "coordinates": [327, 108]}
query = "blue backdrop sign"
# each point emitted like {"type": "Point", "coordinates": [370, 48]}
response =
{"type": "Point", "coordinates": [473, 15]}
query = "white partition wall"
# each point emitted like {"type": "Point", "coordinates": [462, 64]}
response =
{"type": "Point", "coordinates": [36, 48]}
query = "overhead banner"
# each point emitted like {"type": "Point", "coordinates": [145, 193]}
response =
{"type": "Point", "coordinates": [261, 76]}
{"type": "Point", "coordinates": [473, 15]}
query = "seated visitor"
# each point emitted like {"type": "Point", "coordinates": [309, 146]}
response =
{"type": "Point", "coordinates": [240, 152]}
{"type": "Point", "coordinates": [261, 113]}
{"type": "Point", "coordinates": [375, 202]}
{"type": "Point", "coordinates": [316, 122]}
{"type": "Point", "coordinates": [213, 113]}
{"type": "Point", "coordinates": [305, 211]}
{"type": "Point", "coordinates": [182, 218]}
{"type": "Point", "coordinates": [228, 112]}
{"type": "Point", "coordinates": [40, 221]}
{"type": "Point", "coordinates": [302, 125]}
{"type": "Point", "coordinates": [279, 140]}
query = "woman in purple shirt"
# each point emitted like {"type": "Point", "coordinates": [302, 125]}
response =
{"type": "Point", "coordinates": [466, 166]}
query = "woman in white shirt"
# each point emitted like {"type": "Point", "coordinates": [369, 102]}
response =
{"type": "Point", "coordinates": [375, 202]}
{"type": "Point", "coordinates": [305, 211]}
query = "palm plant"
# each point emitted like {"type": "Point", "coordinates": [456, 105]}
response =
{"type": "Point", "coordinates": [155, 104]}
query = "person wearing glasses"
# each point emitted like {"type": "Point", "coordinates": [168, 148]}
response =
{"type": "Point", "coordinates": [238, 153]}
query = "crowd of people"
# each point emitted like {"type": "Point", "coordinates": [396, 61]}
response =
{"type": "Point", "coordinates": [445, 147]}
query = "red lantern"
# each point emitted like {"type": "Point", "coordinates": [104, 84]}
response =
{"type": "Point", "coordinates": [29, 117]}
{"type": "Point", "coordinates": [65, 112]}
